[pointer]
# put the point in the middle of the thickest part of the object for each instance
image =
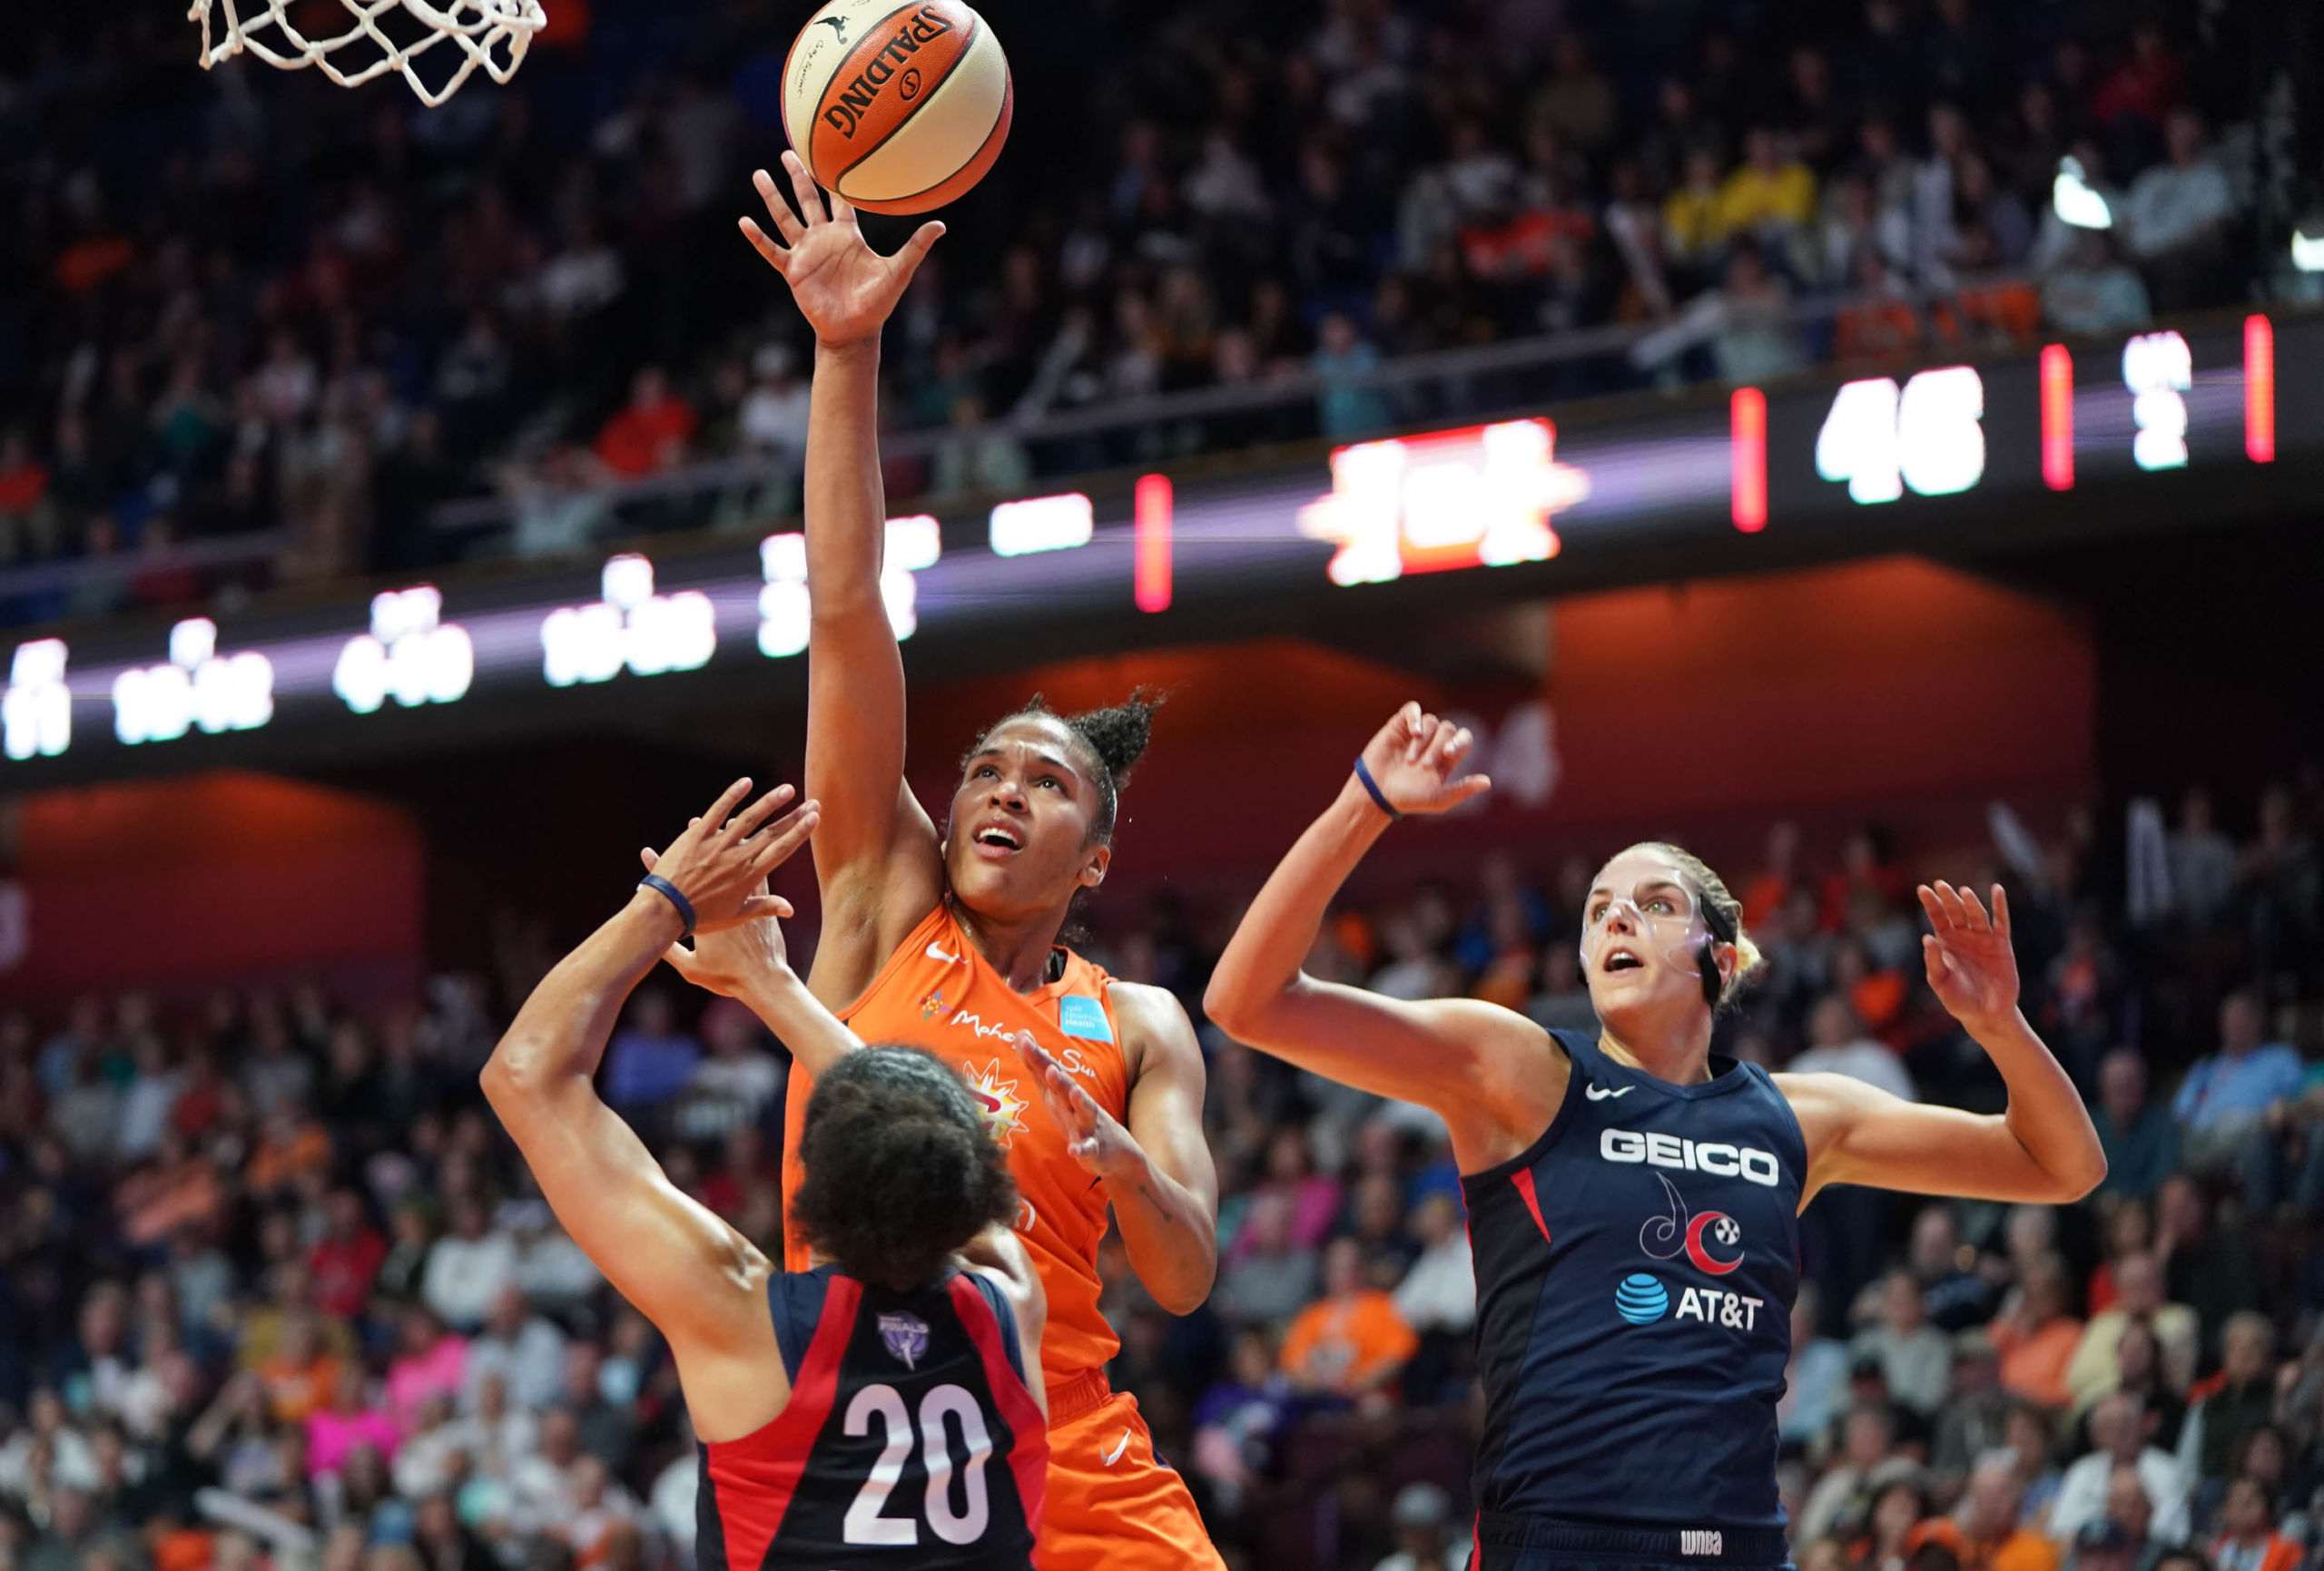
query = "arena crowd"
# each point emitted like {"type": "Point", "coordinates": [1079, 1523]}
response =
{"type": "Point", "coordinates": [250, 304]}
{"type": "Point", "coordinates": [276, 1294]}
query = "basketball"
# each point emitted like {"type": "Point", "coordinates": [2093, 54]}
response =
{"type": "Point", "coordinates": [897, 108]}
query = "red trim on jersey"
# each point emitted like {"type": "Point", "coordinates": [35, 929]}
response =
{"type": "Point", "coordinates": [1029, 1457]}
{"type": "Point", "coordinates": [755, 1477]}
{"type": "Point", "coordinates": [1523, 1179]}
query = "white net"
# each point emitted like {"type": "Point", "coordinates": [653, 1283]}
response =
{"type": "Point", "coordinates": [488, 33]}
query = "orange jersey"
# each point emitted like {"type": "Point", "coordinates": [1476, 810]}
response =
{"type": "Point", "coordinates": [937, 993]}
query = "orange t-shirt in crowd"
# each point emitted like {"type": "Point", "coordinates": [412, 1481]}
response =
{"type": "Point", "coordinates": [2022, 1550]}
{"type": "Point", "coordinates": [2277, 1552]}
{"type": "Point", "coordinates": [2033, 1365]}
{"type": "Point", "coordinates": [296, 1391]}
{"type": "Point", "coordinates": [1341, 1344]}
{"type": "Point", "coordinates": [937, 994]}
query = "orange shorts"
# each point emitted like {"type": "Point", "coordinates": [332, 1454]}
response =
{"type": "Point", "coordinates": [1111, 1503]}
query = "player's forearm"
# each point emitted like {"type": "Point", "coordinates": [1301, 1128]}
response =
{"type": "Point", "coordinates": [1171, 1235]}
{"type": "Point", "coordinates": [561, 1032]}
{"type": "Point", "coordinates": [846, 504]}
{"type": "Point", "coordinates": [1271, 944]}
{"type": "Point", "coordinates": [2045, 1113]}
{"type": "Point", "coordinates": [817, 1037]}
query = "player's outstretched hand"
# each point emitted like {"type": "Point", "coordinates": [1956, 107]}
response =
{"type": "Point", "coordinates": [721, 861]}
{"type": "Point", "coordinates": [1415, 759]}
{"type": "Point", "coordinates": [844, 288]}
{"type": "Point", "coordinates": [1093, 1137]}
{"type": "Point", "coordinates": [1972, 967]}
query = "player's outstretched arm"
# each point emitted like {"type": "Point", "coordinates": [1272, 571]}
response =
{"type": "Point", "coordinates": [999, 1254]}
{"type": "Point", "coordinates": [1489, 1071]}
{"type": "Point", "coordinates": [697, 1278]}
{"type": "Point", "coordinates": [2044, 1149]}
{"type": "Point", "coordinates": [876, 854]}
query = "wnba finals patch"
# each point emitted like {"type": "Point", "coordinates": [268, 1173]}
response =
{"type": "Point", "coordinates": [906, 1337]}
{"type": "Point", "coordinates": [1084, 1018]}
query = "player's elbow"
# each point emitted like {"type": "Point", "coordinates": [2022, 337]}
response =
{"type": "Point", "coordinates": [512, 1077]}
{"type": "Point", "coordinates": [2088, 1174]}
{"type": "Point", "coordinates": [1235, 1003]}
{"type": "Point", "coordinates": [1187, 1294]}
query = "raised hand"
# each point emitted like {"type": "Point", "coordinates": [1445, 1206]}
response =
{"type": "Point", "coordinates": [1415, 759]}
{"type": "Point", "coordinates": [721, 861]}
{"type": "Point", "coordinates": [1094, 1137]}
{"type": "Point", "coordinates": [734, 959]}
{"type": "Point", "coordinates": [1972, 967]}
{"type": "Point", "coordinates": [844, 288]}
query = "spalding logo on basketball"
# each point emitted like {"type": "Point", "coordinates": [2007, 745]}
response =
{"type": "Point", "coordinates": [898, 108]}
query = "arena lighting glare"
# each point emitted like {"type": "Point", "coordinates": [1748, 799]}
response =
{"type": "Point", "coordinates": [1482, 497]}
{"type": "Point", "coordinates": [199, 686]}
{"type": "Point", "coordinates": [1041, 523]}
{"type": "Point", "coordinates": [632, 625]}
{"type": "Point", "coordinates": [37, 707]}
{"type": "Point", "coordinates": [2308, 245]}
{"type": "Point", "coordinates": [913, 543]}
{"type": "Point", "coordinates": [2076, 200]}
{"type": "Point", "coordinates": [2159, 369]}
{"type": "Point", "coordinates": [410, 655]}
{"type": "Point", "coordinates": [1927, 434]}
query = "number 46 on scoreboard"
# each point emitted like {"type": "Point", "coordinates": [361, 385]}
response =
{"type": "Point", "coordinates": [1881, 439]}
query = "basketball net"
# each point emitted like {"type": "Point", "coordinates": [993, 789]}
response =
{"type": "Point", "coordinates": [481, 32]}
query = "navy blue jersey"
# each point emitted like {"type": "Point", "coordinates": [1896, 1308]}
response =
{"type": "Point", "coordinates": [910, 1441]}
{"type": "Point", "coordinates": [1636, 1269]}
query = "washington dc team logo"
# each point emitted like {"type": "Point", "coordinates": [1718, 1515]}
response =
{"type": "Point", "coordinates": [906, 1337]}
{"type": "Point", "coordinates": [1711, 1240]}
{"type": "Point", "coordinates": [1004, 1110]}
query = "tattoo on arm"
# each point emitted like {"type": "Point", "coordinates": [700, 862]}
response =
{"type": "Point", "coordinates": [1155, 1201]}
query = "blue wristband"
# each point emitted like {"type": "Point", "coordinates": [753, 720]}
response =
{"type": "Point", "coordinates": [1379, 798]}
{"type": "Point", "coordinates": [669, 891]}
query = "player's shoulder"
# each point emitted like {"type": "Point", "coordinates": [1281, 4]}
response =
{"type": "Point", "coordinates": [1155, 1026]}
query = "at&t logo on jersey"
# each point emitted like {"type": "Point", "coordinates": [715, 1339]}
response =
{"type": "Point", "coordinates": [1642, 1299]}
{"type": "Point", "coordinates": [1715, 1158]}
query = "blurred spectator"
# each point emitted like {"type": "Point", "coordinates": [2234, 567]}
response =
{"type": "Point", "coordinates": [1346, 407]}
{"type": "Point", "coordinates": [1269, 1278]}
{"type": "Point", "coordinates": [2119, 1441]}
{"type": "Point", "coordinates": [1914, 1357]}
{"type": "Point", "coordinates": [649, 1061]}
{"type": "Point", "coordinates": [1838, 1046]}
{"type": "Point", "coordinates": [519, 1347]}
{"type": "Point", "coordinates": [1420, 1515]}
{"type": "Point", "coordinates": [2037, 1336]}
{"type": "Point", "coordinates": [2124, 1539]}
{"type": "Point", "coordinates": [1816, 1378]}
{"type": "Point", "coordinates": [468, 1269]}
{"type": "Point", "coordinates": [2138, 1288]}
{"type": "Point", "coordinates": [2140, 1138]}
{"type": "Point", "coordinates": [2225, 1409]}
{"type": "Point", "coordinates": [1986, 1533]}
{"type": "Point", "coordinates": [2225, 1095]}
{"type": "Point", "coordinates": [1351, 1342]}
{"type": "Point", "coordinates": [2206, 1264]}
{"type": "Point", "coordinates": [651, 432]}
{"type": "Point", "coordinates": [2248, 1539]}
{"type": "Point", "coordinates": [2177, 215]}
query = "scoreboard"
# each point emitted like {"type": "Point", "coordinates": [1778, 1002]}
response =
{"type": "Point", "coordinates": [2029, 445]}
